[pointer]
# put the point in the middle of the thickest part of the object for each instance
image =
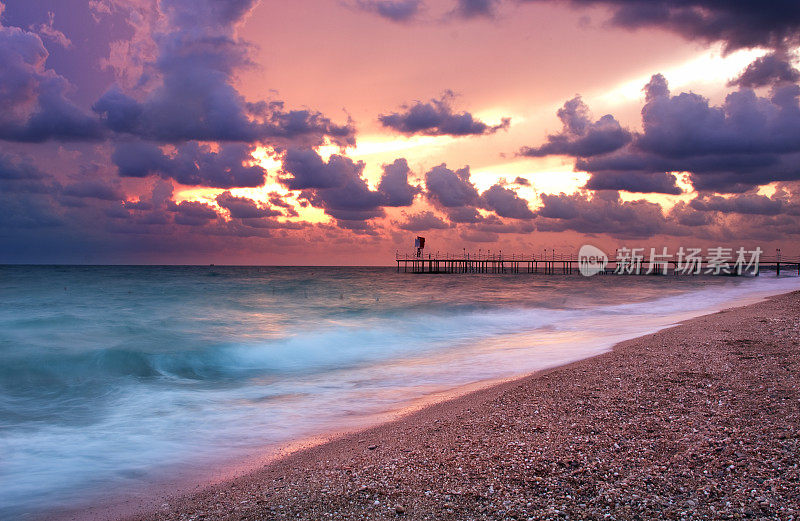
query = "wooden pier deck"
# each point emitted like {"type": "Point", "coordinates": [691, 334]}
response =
{"type": "Point", "coordinates": [565, 264]}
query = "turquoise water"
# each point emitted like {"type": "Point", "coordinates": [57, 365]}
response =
{"type": "Point", "coordinates": [111, 376]}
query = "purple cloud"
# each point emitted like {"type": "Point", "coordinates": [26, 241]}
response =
{"type": "Point", "coordinates": [745, 142]}
{"type": "Point", "coordinates": [34, 98]}
{"type": "Point", "coordinates": [604, 213]}
{"type": "Point", "coordinates": [394, 10]}
{"type": "Point", "coordinates": [451, 189]}
{"type": "Point", "coordinates": [244, 208]}
{"type": "Point", "coordinates": [437, 118]}
{"type": "Point", "coordinates": [657, 182]}
{"type": "Point", "coordinates": [580, 137]}
{"type": "Point", "coordinates": [422, 221]}
{"type": "Point", "coordinates": [737, 23]}
{"type": "Point", "coordinates": [195, 99]}
{"type": "Point", "coordinates": [475, 8]}
{"type": "Point", "coordinates": [94, 189]}
{"type": "Point", "coordinates": [767, 70]}
{"type": "Point", "coordinates": [192, 164]}
{"type": "Point", "coordinates": [750, 204]}
{"type": "Point", "coordinates": [337, 185]}
{"type": "Point", "coordinates": [506, 203]}
{"type": "Point", "coordinates": [394, 184]}
{"type": "Point", "coordinates": [192, 213]}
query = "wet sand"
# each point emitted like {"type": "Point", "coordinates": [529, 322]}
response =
{"type": "Point", "coordinates": [701, 421]}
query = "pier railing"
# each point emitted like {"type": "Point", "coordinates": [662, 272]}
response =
{"type": "Point", "coordinates": [566, 263]}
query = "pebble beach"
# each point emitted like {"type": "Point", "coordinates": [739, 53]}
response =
{"type": "Point", "coordinates": [697, 421]}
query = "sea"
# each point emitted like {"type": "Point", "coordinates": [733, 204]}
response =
{"type": "Point", "coordinates": [115, 379]}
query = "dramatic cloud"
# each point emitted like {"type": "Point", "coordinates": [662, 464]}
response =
{"type": "Point", "coordinates": [463, 214]}
{"type": "Point", "coordinates": [337, 185]}
{"type": "Point", "coordinates": [506, 203]}
{"type": "Point", "coordinates": [308, 170]}
{"type": "Point", "coordinates": [394, 184]}
{"type": "Point", "coordinates": [191, 164]}
{"type": "Point", "coordinates": [455, 194]}
{"type": "Point", "coordinates": [746, 142]}
{"type": "Point", "coordinates": [48, 31]}
{"type": "Point", "coordinates": [767, 70]}
{"type": "Point", "coordinates": [451, 189]}
{"type": "Point", "coordinates": [21, 176]}
{"type": "Point", "coordinates": [581, 137]}
{"type": "Point", "coordinates": [751, 204]}
{"type": "Point", "coordinates": [195, 99]}
{"type": "Point", "coordinates": [394, 10]}
{"type": "Point", "coordinates": [422, 221]}
{"type": "Point", "coordinates": [683, 214]}
{"type": "Point", "coordinates": [163, 89]}
{"type": "Point", "coordinates": [604, 213]}
{"type": "Point", "coordinates": [94, 189]}
{"type": "Point", "coordinates": [244, 208]}
{"type": "Point", "coordinates": [437, 118]}
{"type": "Point", "coordinates": [658, 182]}
{"type": "Point", "coordinates": [687, 125]}
{"type": "Point", "coordinates": [475, 8]}
{"type": "Point", "coordinates": [736, 23]}
{"type": "Point", "coordinates": [34, 101]}
{"type": "Point", "coordinates": [192, 213]}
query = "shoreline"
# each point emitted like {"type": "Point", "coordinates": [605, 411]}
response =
{"type": "Point", "coordinates": [340, 459]}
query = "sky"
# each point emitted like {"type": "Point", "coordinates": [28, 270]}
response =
{"type": "Point", "coordinates": [328, 132]}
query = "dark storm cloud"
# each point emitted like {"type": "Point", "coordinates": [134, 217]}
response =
{"type": "Point", "coordinates": [750, 204]}
{"type": "Point", "coordinates": [192, 213]}
{"type": "Point", "coordinates": [394, 185]}
{"type": "Point", "coordinates": [94, 189]}
{"type": "Point", "coordinates": [605, 213]}
{"type": "Point", "coordinates": [745, 142]}
{"type": "Point", "coordinates": [521, 181]}
{"type": "Point", "coordinates": [357, 226]}
{"type": "Point", "coordinates": [737, 23]}
{"type": "Point", "coordinates": [478, 236]}
{"type": "Point", "coordinates": [22, 213]}
{"type": "Point", "coordinates": [463, 214]}
{"type": "Point", "coordinates": [21, 176]}
{"type": "Point", "coordinates": [394, 10]}
{"type": "Point", "coordinates": [422, 221]}
{"type": "Point", "coordinates": [767, 70]}
{"type": "Point", "coordinates": [506, 203]}
{"type": "Point", "coordinates": [475, 8]}
{"type": "Point", "coordinates": [437, 118]}
{"type": "Point", "coordinates": [34, 101]}
{"type": "Point", "coordinates": [493, 224]}
{"type": "Point", "coordinates": [198, 105]}
{"type": "Point", "coordinates": [683, 214]}
{"type": "Point", "coordinates": [451, 189]}
{"type": "Point", "coordinates": [687, 125]}
{"type": "Point", "coordinates": [455, 194]}
{"type": "Point", "coordinates": [337, 185]}
{"type": "Point", "coordinates": [659, 182]}
{"type": "Point", "coordinates": [243, 207]}
{"type": "Point", "coordinates": [726, 173]}
{"type": "Point", "coordinates": [308, 170]}
{"type": "Point", "coordinates": [194, 97]}
{"type": "Point", "coordinates": [192, 164]}
{"type": "Point", "coordinates": [26, 199]}
{"type": "Point", "coordinates": [580, 137]}
{"type": "Point", "coordinates": [352, 201]}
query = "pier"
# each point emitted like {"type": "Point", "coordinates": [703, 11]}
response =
{"type": "Point", "coordinates": [563, 264]}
